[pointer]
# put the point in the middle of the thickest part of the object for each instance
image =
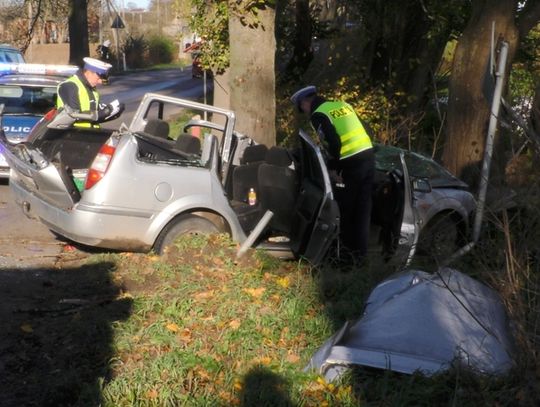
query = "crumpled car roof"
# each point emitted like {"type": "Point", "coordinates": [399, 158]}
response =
{"type": "Point", "coordinates": [417, 321]}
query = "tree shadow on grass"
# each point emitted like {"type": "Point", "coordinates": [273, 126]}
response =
{"type": "Point", "coordinates": [56, 342]}
{"type": "Point", "coordinates": [263, 388]}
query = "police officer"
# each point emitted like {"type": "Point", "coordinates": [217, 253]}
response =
{"type": "Point", "coordinates": [78, 94]}
{"type": "Point", "coordinates": [350, 155]}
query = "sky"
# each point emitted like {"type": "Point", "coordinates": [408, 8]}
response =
{"type": "Point", "coordinates": [139, 3]}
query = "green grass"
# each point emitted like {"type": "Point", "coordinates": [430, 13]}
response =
{"type": "Point", "coordinates": [208, 329]}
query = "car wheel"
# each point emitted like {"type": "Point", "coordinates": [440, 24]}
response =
{"type": "Point", "coordinates": [440, 238]}
{"type": "Point", "coordinates": [185, 224]}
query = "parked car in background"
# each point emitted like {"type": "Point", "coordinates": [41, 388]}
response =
{"type": "Point", "coordinates": [10, 54]}
{"type": "Point", "coordinates": [27, 92]}
{"type": "Point", "coordinates": [142, 186]}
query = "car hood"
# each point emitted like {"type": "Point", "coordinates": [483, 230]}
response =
{"type": "Point", "coordinates": [17, 127]}
{"type": "Point", "coordinates": [417, 321]}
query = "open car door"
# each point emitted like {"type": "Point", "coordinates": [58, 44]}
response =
{"type": "Point", "coordinates": [408, 227]}
{"type": "Point", "coordinates": [316, 217]}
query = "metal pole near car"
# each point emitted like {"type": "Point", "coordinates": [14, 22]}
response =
{"type": "Point", "coordinates": [488, 153]}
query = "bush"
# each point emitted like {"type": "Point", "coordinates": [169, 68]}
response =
{"type": "Point", "coordinates": [134, 49]}
{"type": "Point", "coordinates": [161, 50]}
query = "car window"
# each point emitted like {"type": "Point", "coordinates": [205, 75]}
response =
{"type": "Point", "coordinates": [11, 56]}
{"type": "Point", "coordinates": [387, 159]}
{"type": "Point", "coordinates": [27, 99]}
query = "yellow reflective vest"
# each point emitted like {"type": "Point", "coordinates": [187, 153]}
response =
{"type": "Point", "coordinates": [352, 134]}
{"type": "Point", "coordinates": [84, 100]}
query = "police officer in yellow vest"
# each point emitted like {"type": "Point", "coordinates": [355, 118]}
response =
{"type": "Point", "coordinates": [350, 154]}
{"type": "Point", "coordinates": [78, 95]}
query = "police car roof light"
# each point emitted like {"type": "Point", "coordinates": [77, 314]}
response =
{"type": "Point", "coordinates": [37, 69]}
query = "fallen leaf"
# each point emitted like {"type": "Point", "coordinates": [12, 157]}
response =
{"type": "Point", "coordinates": [255, 292]}
{"type": "Point", "coordinates": [27, 328]}
{"type": "Point", "coordinates": [238, 385]}
{"type": "Point", "coordinates": [293, 358]}
{"type": "Point", "coordinates": [172, 327]}
{"type": "Point", "coordinates": [185, 335]}
{"type": "Point", "coordinates": [205, 295]}
{"type": "Point", "coordinates": [285, 282]}
{"type": "Point", "coordinates": [152, 394]}
{"type": "Point", "coordinates": [234, 324]}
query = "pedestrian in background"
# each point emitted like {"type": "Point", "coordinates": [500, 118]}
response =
{"type": "Point", "coordinates": [350, 154]}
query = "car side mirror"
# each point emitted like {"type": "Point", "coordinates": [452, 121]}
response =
{"type": "Point", "coordinates": [421, 185]}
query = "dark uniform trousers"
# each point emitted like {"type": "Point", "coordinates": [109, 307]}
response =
{"type": "Point", "coordinates": [355, 203]}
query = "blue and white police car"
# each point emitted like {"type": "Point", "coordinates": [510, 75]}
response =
{"type": "Point", "coordinates": [27, 92]}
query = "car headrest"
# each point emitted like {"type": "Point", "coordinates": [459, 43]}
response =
{"type": "Point", "coordinates": [278, 156]}
{"type": "Point", "coordinates": [254, 153]}
{"type": "Point", "coordinates": [157, 127]}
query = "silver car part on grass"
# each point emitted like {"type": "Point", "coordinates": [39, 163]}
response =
{"type": "Point", "coordinates": [421, 322]}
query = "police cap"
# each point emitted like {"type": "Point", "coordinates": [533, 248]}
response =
{"type": "Point", "coordinates": [302, 94]}
{"type": "Point", "coordinates": [97, 66]}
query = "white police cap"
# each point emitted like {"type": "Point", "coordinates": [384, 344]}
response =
{"type": "Point", "coordinates": [95, 65]}
{"type": "Point", "coordinates": [303, 93]}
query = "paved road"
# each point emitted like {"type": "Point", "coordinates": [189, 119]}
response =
{"type": "Point", "coordinates": [27, 243]}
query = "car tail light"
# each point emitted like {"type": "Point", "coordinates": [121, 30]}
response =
{"type": "Point", "coordinates": [100, 164]}
{"type": "Point", "coordinates": [50, 114]}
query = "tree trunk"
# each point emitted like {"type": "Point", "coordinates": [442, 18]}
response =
{"type": "Point", "coordinates": [252, 76]}
{"type": "Point", "coordinates": [78, 32]}
{"type": "Point", "coordinates": [302, 51]}
{"type": "Point", "coordinates": [471, 86]}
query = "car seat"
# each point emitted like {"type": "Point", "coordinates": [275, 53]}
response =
{"type": "Point", "coordinates": [245, 176]}
{"type": "Point", "coordinates": [188, 144]}
{"type": "Point", "coordinates": [158, 128]}
{"type": "Point", "coordinates": [278, 188]}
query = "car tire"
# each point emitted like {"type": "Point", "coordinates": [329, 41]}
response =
{"type": "Point", "coordinates": [184, 224]}
{"type": "Point", "coordinates": [440, 237]}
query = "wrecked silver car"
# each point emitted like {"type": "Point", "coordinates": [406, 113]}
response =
{"type": "Point", "coordinates": [171, 172]}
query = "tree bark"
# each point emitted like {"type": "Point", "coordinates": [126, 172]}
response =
{"type": "Point", "coordinates": [302, 50]}
{"type": "Point", "coordinates": [471, 85]}
{"type": "Point", "coordinates": [252, 76]}
{"type": "Point", "coordinates": [78, 32]}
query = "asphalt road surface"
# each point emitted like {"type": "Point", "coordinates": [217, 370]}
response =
{"type": "Point", "coordinates": [27, 243]}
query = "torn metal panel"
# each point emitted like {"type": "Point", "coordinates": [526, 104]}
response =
{"type": "Point", "coordinates": [416, 321]}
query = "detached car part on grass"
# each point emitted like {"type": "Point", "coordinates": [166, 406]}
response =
{"type": "Point", "coordinates": [421, 322]}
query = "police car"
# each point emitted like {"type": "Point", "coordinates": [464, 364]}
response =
{"type": "Point", "coordinates": [27, 92]}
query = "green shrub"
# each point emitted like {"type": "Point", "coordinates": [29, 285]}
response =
{"type": "Point", "coordinates": [134, 48]}
{"type": "Point", "coordinates": [161, 50]}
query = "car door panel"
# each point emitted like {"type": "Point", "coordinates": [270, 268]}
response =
{"type": "Point", "coordinates": [316, 217]}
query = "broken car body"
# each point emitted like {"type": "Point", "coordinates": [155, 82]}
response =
{"type": "Point", "coordinates": [421, 322]}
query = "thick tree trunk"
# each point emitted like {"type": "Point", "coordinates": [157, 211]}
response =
{"type": "Point", "coordinates": [252, 77]}
{"type": "Point", "coordinates": [78, 32]}
{"type": "Point", "coordinates": [471, 85]}
{"type": "Point", "coordinates": [302, 51]}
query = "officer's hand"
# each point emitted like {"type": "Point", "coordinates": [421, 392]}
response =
{"type": "Point", "coordinates": [116, 108]}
